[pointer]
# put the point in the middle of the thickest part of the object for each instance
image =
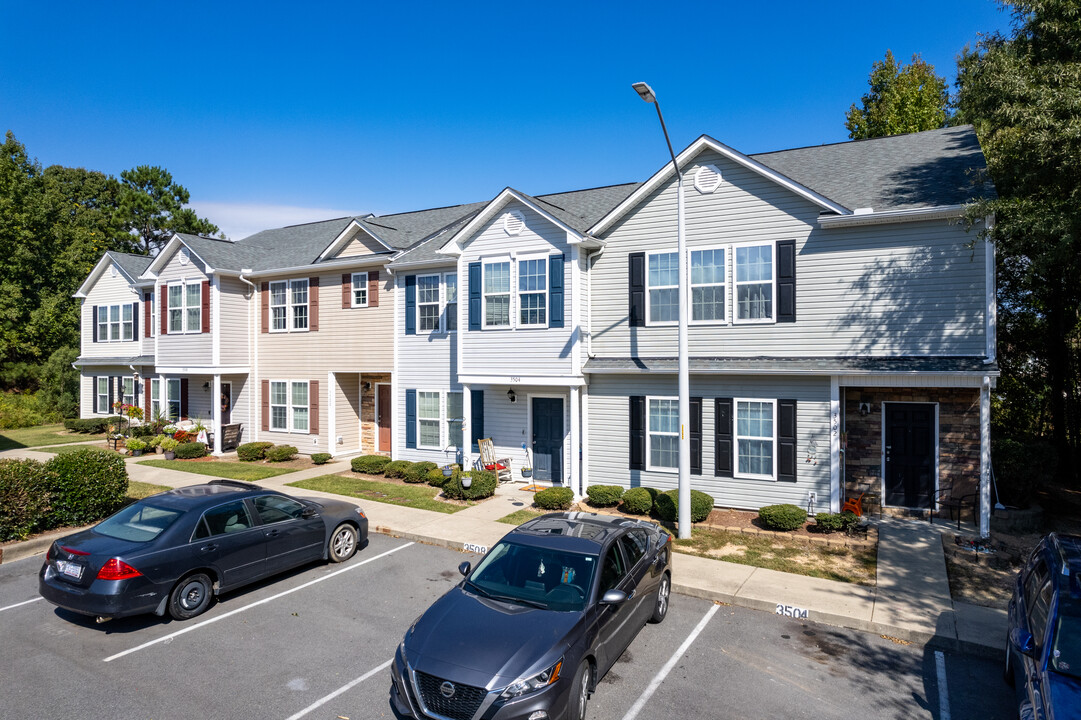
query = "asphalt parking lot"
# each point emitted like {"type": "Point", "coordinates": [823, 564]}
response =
{"type": "Point", "coordinates": [316, 643]}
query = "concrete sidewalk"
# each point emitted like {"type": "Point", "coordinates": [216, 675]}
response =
{"type": "Point", "coordinates": [910, 603]}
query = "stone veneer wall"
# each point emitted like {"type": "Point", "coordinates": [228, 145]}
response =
{"type": "Point", "coordinates": [958, 436]}
{"type": "Point", "coordinates": [368, 428]}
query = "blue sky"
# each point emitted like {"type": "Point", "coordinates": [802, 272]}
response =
{"type": "Point", "coordinates": [272, 113]}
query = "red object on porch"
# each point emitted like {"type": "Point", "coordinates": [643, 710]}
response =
{"type": "Point", "coordinates": [854, 505]}
{"type": "Point", "coordinates": [495, 466]}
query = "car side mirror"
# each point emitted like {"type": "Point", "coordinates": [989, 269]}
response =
{"type": "Point", "coordinates": [464, 568]}
{"type": "Point", "coordinates": [308, 512]}
{"type": "Point", "coordinates": [1023, 641]}
{"type": "Point", "coordinates": [614, 597]}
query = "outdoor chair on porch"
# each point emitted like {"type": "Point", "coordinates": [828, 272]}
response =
{"type": "Point", "coordinates": [945, 499]}
{"type": "Point", "coordinates": [488, 460]}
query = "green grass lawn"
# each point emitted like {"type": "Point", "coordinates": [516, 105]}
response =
{"type": "Point", "coordinates": [233, 471]}
{"type": "Point", "coordinates": [40, 435]}
{"type": "Point", "coordinates": [139, 490]}
{"type": "Point", "coordinates": [520, 516]}
{"type": "Point", "coordinates": [414, 496]}
{"type": "Point", "coordinates": [63, 449]}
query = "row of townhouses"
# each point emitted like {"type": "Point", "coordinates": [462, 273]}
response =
{"type": "Point", "coordinates": [842, 328]}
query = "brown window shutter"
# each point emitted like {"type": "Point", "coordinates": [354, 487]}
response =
{"type": "Point", "coordinates": [147, 398]}
{"type": "Point", "coordinates": [183, 397]}
{"type": "Point", "coordinates": [164, 310]}
{"type": "Point", "coordinates": [313, 407]}
{"type": "Point", "coordinates": [264, 391]}
{"type": "Point", "coordinates": [206, 306]}
{"type": "Point", "coordinates": [313, 304]}
{"type": "Point", "coordinates": [148, 317]}
{"type": "Point", "coordinates": [373, 288]}
{"type": "Point", "coordinates": [264, 296]}
{"type": "Point", "coordinates": [347, 290]}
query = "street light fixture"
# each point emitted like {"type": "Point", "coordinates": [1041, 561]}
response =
{"type": "Point", "coordinates": [647, 94]}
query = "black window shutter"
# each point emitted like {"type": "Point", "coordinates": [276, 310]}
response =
{"type": "Point", "coordinates": [94, 320]}
{"type": "Point", "coordinates": [786, 440]}
{"type": "Point", "coordinates": [474, 296]}
{"type": "Point", "coordinates": [135, 321]}
{"type": "Point", "coordinates": [411, 416]}
{"type": "Point", "coordinates": [696, 436]}
{"type": "Point", "coordinates": [555, 291]}
{"type": "Point", "coordinates": [183, 397]}
{"type": "Point", "coordinates": [411, 307]}
{"type": "Point", "coordinates": [637, 427]}
{"type": "Point", "coordinates": [112, 394]}
{"type": "Point", "coordinates": [476, 404]}
{"type": "Point", "coordinates": [722, 437]}
{"type": "Point", "coordinates": [786, 281]}
{"type": "Point", "coordinates": [636, 312]}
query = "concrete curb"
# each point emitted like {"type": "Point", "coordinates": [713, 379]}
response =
{"type": "Point", "coordinates": [13, 551]}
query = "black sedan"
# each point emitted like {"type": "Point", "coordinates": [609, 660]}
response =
{"type": "Point", "coordinates": [530, 632]}
{"type": "Point", "coordinates": [172, 552]}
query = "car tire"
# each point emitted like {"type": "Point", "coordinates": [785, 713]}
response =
{"type": "Point", "coordinates": [1007, 666]}
{"type": "Point", "coordinates": [343, 543]}
{"type": "Point", "coordinates": [660, 605]}
{"type": "Point", "coordinates": [579, 697]}
{"type": "Point", "coordinates": [191, 596]}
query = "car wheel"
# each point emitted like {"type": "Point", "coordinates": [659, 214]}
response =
{"type": "Point", "coordinates": [1007, 667]}
{"type": "Point", "coordinates": [343, 543]}
{"type": "Point", "coordinates": [190, 597]}
{"type": "Point", "coordinates": [580, 691]}
{"type": "Point", "coordinates": [660, 607]}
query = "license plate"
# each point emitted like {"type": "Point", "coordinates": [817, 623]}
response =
{"type": "Point", "coordinates": [70, 569]}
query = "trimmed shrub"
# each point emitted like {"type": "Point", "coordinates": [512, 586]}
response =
{"type": "Point", "coordinates": [782, 517]}
{"type": "Point", "coordinates": [554, 498]}
{"type": "Point", "coordinates": [418, 472]}
{"type": "Point", "coordinates": [638, 501]}
{"type": "Point", "coordinates": [24, 498]}
{"type": "Point", "coordinates": [436, 478]}
{"type": "Point", "coordinates": [829, 522]}
{"type": "Point", "coordinates": [483, 485]}
{"type": "Point", "coordinates": [142, 431]}
{"type": "Point", "coordinates": [849, 520]}
{"type": "Point", "coordinates": [190, 450]}
{"type": "Point", "coordinates": [667, 505]}
{"type": "Point", "coordinates": [321, 458]}
{"type": "Point", "coordinates": [94, 426]}
{"type": "Point", "coordinates": [369, 464]}
{"type": "Point", "coordinates": [250, 452]}
{"type": "Point", "coordinates": [604, 495]}
{"type": "Point", "coordinates": [87, 485]}
{"type": "Point", "coordinates": [396, 468]}
{"type": "Point", "coordinates": [281, 453]}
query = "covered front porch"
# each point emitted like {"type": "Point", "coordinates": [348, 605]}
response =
{"type": "Point", "coordinates": [221, 401]}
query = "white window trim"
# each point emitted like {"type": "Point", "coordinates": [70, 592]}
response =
{"type": "Point", "coordinates": [438, 304]}
{"type": "Point", "coordinates": [649, 314]}
{"type": "Point", "coordinates": [105, 328]}
{"type": "Point", "coordinates": [443, 301]}
{"type": "Point", "coordinates": [98, 395]}
{"type": "Point", "coordinates": [153, 325]}
{"type": "Point", "coordinates": [179, 400]}
{"type": "Point", "coordinates": [727, 320]}
{"type": "Point", "coordinates": [510, 292]}
{"type": "Point", "coordinates": [649, 439]}
{"type": "Point", "coordinates": [440, 420]}
{"type": "Point", "coordinates": [272, 405]}
{"type": "Point", "coordinates": [518, 292]}
{"type": "Point", "coordinates": [123, 395]}
{"type": "Point", "coordinates": [446, 431]}
{"type": "Point", "coordinates": [736, 438]}
{"type": "Point", "coordinates": [183, 284]}
{"type": "Point", "coordinates": [289, 318]}
{"type": "Point", "coordinates": [155, 397]}
{"type": "Point", "coordinates": [288, 429]}
{"type": "Point", "coordinates": [736, 283]}
{"type": "Point", "coordinates": [131, 330]}
{"type": "Point", "coordinates": [307, 407]}
{"type": "Point", "coordinates": [353, 290]}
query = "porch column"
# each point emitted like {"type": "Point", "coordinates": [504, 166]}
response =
{"type": "Point", "coordinates": [576, 423]}
{"type": "Point", "coordinates": [215, 409]}
{"type": "Point", "coordinates": [835, 445]}
{"type": "Point", "coordinates": [467, 425]}
{"type": "Point", "coordinates": [985, 458]}
{"type": "Point", "coordinates": [332, 429]}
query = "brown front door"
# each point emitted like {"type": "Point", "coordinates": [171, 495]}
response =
{"type": "Point", "coordinates": [383, 414]}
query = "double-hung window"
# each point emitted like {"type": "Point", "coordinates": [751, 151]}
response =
{"type": "Point", "coordinates": [497, 294]}
{"type": "Point", "coordinates": [115, 323]}
{"type": "Point", "coordinates": [428, 303]}
{"type": "Point", "coordinates": [298, 299]}
{"type": "Point", "coordinates": [360, 289]}
{"type": "Point", "coordinates": [155, 398]}
{"type": "Point", "coordinates": [299, 406]}
{"type": "Point", "coordinates": [428, 420]}
{"type": "Point", "coordinates": [289, 406]}
{"type": "Point", "coordinates": [152, 326]}
{"type": "Point", "coordinates": [127, 322]}
{"type": "Point", "coordinates": [101, 403]}
{"type": "Point", "coordinates": [289, 305]}
{"type": "Point", "coordinates": [662, 277]}
{"type": "Point", "coordinates": [127, 392]}
{"type": "Point", "coordinates": [450, 310]}
{"type": "Point", "coordinates": [103, 323]}
{"type": "Point", "coordinates": [455, 405]}
{"type": "Point", "coordinates": [756, 438]}
{"type": "Point", "coordinates": [708, 286]}
{"type": "Point", "coordinates": [533, 292]}
{"type": "Point", "coordinates": [172, 398]}
{"type": "Point", "coordinates": [279, 305]}
{"type": "Point", "coordinates": [663, 434]}
{"type": "Point", "coordinates": [279, 405]}
{"type": "Point", "coordinates": [185, 307]}
{"type": "Point", "coordinates": [754, 283]}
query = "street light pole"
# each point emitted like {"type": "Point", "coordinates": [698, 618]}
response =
{"type": "Point", "coordinates": [647, 94]}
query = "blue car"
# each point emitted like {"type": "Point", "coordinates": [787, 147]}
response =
{"type": "Point", "coordinates": [1043, 645]}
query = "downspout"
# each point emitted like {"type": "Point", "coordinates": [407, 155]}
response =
{"type": "Point", "coordinates": [253, 350]}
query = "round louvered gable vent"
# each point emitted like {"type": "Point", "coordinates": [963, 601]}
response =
{"type": "Point", "coordinates": [707, 179]}
{"type": "Point", "coordinates": [513, 222]}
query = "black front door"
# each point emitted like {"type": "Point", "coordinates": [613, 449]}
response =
{"type": "Point", "coordinates": [226, 403]}
{"type": "Point", "coordinates": [548, 439]}
{"type": "Point", "coordinates": [910, 454]}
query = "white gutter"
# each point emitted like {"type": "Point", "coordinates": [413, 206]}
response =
{"type": "Point", "coordinates": [942, 212]}
{"type": "Point", "coordinates": [322, 267]}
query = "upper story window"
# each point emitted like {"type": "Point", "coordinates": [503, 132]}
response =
{"type": "Point", "coordinates": [754, 283]}
{"type": "Point", "coordinates": [428, 303]}
{"type": "Point", "coordinates": [288, 305]}
{"type": "Point", "coordinates": [708, 288]}
{"type": "Point", "coordinates": [115, 323]}
{"type": "Point", "coordinates": [152, 326]}
{"type": "Point", "coordinates": [525, 292]}
{"type": "Point", "coordinates": [450, 309]}
{"type": "Point", "coordinates": [533, 292]}
{"type": "Point", "coordinates": [497, 294]}
{"type": "Point", "coordinates": [360, 289]}
{"type": "Point", "coordinates": [663, 288]}
{"type": "Point", "coordinates": [185, 307]}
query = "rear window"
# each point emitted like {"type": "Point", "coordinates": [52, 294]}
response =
{"type": "Point", "coordinates": [138, 522]}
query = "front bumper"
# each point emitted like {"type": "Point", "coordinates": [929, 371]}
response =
{"type": "Point", "coordinates": [106, 598]}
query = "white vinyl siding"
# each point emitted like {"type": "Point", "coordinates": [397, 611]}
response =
{"type": "Point", "coordinates": [428, 420]}
{"type": "Point", "coordinates": [497, 294]}
{"type": "Point", "coordinates": [755, 287]}
{"type": "Point", "coordinates": [360, 290]}
{"type": "Point", "coordinates": [662, 283]}
{"type": "Point", "coordinates": [708, 287]}
{"type": "Point", "coordinates": [756, 438]}
{"type": "Point", "coordinates": [533, 292]}
{"type": "Point", "coordinates": [662, 436]}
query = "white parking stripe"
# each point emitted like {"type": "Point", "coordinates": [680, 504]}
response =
{"type": "Point", "coordinates": [25, 602]}
{"type": "Point", "coordinates": [204, 623]}
{"type": "Point", "coordinates": [943, 695]}
{"type": "Point", "coordinates": [323, 701]}
{"type": "Point", "coordinates": [660, 676]}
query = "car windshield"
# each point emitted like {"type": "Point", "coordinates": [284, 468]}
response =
{"type": "Point", "coordinates": [536, 577]}
{"type": "Point", "coordinates": [1066, 644]}
{"type": "Point", "coordinates": [138, 522]}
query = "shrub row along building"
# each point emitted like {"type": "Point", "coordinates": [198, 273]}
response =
{"type": "Point", "coordinates": [842, 328]}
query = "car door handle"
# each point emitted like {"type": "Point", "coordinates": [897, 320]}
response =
{"type": "Point", "coordinates": [208, 548]}
{"type": "Point", "coordinates": [272, 533]}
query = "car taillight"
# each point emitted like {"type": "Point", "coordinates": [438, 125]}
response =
{"type": "Point", "coordinates": [49, 553]}
{"type": "Point", "coordinates": [73, 552]}
{"type": "Point", "coordinates": [117, 569]}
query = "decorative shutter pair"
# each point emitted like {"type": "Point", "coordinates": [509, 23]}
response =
{"type": "Point", "coordinates": [723, 438]}
{"type": "Point", "coordinates": [556, 293]}
{"type": "Point", "coordinates": [637, 426]}
{"type": "Point", "coordinates": [313, 305]}
{"type": "Point", "coordinates": [134, 321]}
{"type": "Point", "coordinates": [313, 405]}
{"type": "Point", "coordinates": [373, 289]}
{"type": "Point", "coordinates": [204, 298]}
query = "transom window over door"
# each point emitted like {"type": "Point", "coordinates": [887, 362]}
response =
{"type": "Point", "coordinates": [755, 438]}
{"type": "Point", "coordinates": [663, 436]}
{"type": "Point", "coordinates": [708, 285]}
{"type": "Point", "coordinates": [533, 292]}
{"type": "Point", "coordinates": [754, 282]}
{"type": "Point", "coordinates": [497, 294]}
{"type": "Point", "coordinates": [662, 277]}
{"type": "Point", "coordinates": [428, 302]}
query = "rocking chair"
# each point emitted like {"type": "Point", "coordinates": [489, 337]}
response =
{"type": "Point", "coordinates": [488, 460]}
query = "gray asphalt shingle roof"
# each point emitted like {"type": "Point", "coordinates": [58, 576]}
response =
{"type": "Point", "coordinates": [133, 265]}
